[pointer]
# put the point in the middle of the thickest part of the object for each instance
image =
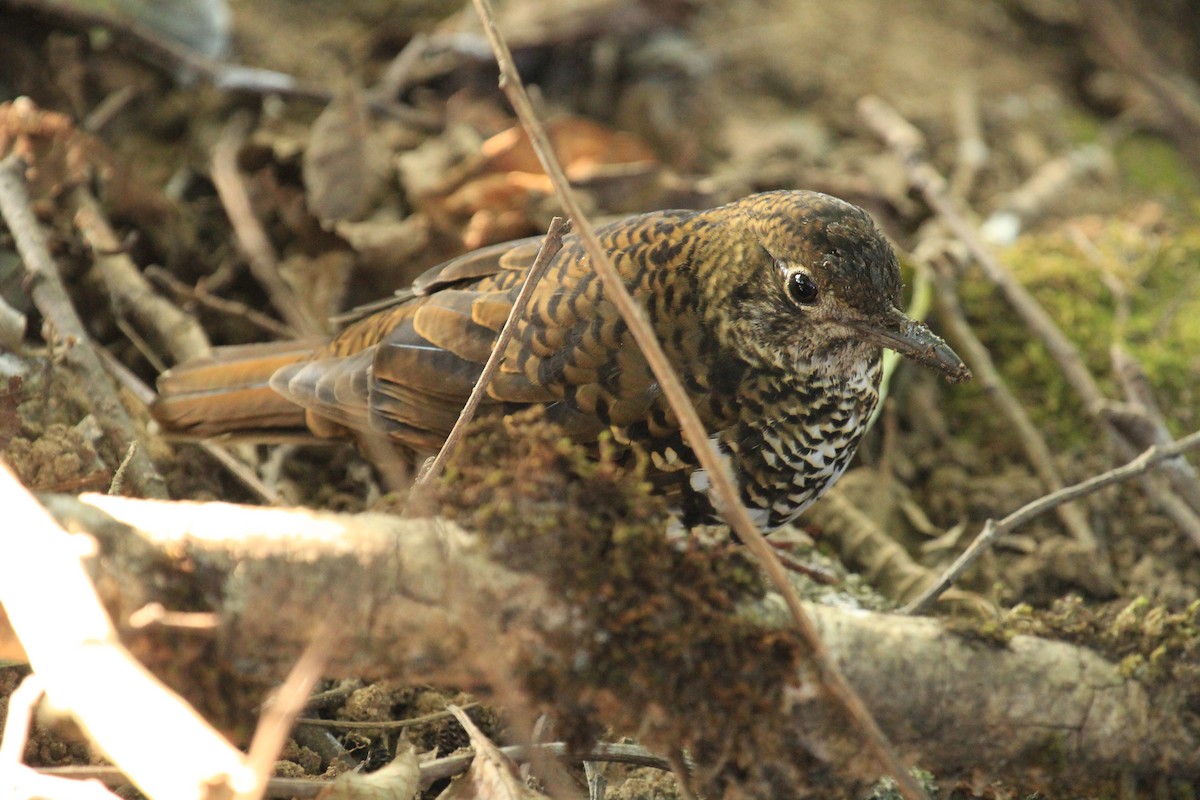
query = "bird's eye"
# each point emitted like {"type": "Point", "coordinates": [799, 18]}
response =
{"type": "Point", "coordinates": [801, 289]}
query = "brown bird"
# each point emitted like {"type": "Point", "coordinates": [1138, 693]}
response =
{"type": "Point", "coordinates": [774, 309]}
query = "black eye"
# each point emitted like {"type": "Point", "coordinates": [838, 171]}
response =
{"type": "Point", "coordinates": [801, 289]}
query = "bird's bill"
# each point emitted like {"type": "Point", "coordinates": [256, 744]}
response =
{"type": "Point", "coordinates": [913, 339]}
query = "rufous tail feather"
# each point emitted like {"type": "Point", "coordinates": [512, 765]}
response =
{"type": "Point", "coordinates": [229, 392]}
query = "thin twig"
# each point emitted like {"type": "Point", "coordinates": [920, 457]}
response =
{"type": "Point", "coordinates": [132, 383]}
{"type": "Point", "coordinates": [431, 771]}
{"type": "Point", "coordinates": [251, 238]}
{"type": "Point", "coordinates": [992, 529]}
{"type": "Point", "coordinates": [220, 304]}
{"type": "Point", "coordinates": [118, 478]}
{"type": "Point", "coordinates": [993, 385]}
{"type": "Point", "coordinates": [907, 142]}
{"type": "Point", "coordinates": [50, 296]}
{"type": "Point", "coordinates": [1136, 386]}
{"type": "Point", "coordinates": [382, 725]}
{"type": "Point", "coordinates": [723, 488]}
{"type": "Point", "coordinates": [1046, 186]}
{"type": "Point", "coordinates": [550, 247]}
{"type": "Point", "coordinates": [280, 713]}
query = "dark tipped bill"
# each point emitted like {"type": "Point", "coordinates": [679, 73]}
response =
{"type": "Point", "coordinates": [913, 339]}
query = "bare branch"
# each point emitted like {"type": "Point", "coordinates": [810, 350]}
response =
{"type": "Point", "coordinates": [73, 647]}
{"type": "Point", "coordinates": [50, 296]}
{"type": "Point", "coordinates": [251, 238]}
{"type": "Point", "coordinates": [993, 530]}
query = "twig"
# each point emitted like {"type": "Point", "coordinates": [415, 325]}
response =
{"type": "Point", "coordinates": [726, 494]}
{"type": "Point", "coordinates": [12, 326]}
{"type": "Point", "coordinates": [73, 646]}
{"type": "Point", "coordinates": [992, 529]}
{"type": "Point", "coordinates": [108, 108]}
{"type": "Point", "coordinates": [384, 725]}
{"type": "Point", "coordinates": [276, 720]}
{"type": "Point", "coordinates": [972, 148]}
{"type": "Point", "coordinates": [251, 238]}
{"type": "Point", "coordinates": [907, 141]}
{"type": "Point", "coordinates": [1045, 186]}
{"type": "Point", "coordinates": [550, 246]}
{"type": "Point", "coordinates": [218, 452]}
{"type": "Point", "coordinates": [431, 771]}
{"type": "Point", "coordinates": [118, 479]}
{"type": "Point", "coordinates": [1031, 440]}
{"type": "Point", "coordinates": [48, 293]}
{"type": "Point", "coordinates": [220, 304]}
{"type": "Point", "coordinates": [1136, 386]}
{"type": "Point", "coordinates": [129, 293]}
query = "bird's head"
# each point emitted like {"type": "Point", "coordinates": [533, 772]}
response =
{"type": "Point", "coordinates": [817, 287]}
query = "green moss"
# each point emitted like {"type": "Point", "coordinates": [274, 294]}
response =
{"type": "Point", "coordinates": [1153, 164]}
{"type": "Point", "coordinates": [1146, 264]}
{"type": "Point", "coordinates": [655, 622]}
{"type": "Point", "coordinates": [1150, 643]}
{"type": "Point", "coordinates": [1081, 128]}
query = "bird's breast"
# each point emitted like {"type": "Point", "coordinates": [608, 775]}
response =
{"type": "Point", "coordinates": [796, 437]}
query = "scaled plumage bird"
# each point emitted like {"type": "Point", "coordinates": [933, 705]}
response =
{"type": "Point", "coordinates": [774, 310]}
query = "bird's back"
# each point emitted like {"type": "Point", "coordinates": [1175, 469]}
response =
{"type": "Point", "coordinates": [406, 371]}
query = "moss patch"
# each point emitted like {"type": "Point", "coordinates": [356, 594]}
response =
{"type": "Point", "coordinates": [657, 645]}
{"type": "Point", "coordinates": [1136, 285]}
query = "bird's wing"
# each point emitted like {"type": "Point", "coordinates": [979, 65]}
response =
{"type": "Point", "coordinates": [571, 351]}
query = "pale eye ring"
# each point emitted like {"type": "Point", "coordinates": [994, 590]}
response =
{"type": "Point", "coordinates": [801, 290]}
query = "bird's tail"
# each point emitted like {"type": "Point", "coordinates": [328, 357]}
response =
{"type": "Point", "coordinates": [228, 392]}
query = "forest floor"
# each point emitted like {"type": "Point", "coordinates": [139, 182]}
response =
{"type": "Point", "coordinates": [1050, 121]}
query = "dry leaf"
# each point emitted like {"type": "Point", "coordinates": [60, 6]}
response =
{"type": "Point", "coordinates": [59, 155]}
{"type": "Point", "coordinates": [341, 174]}
{"type": "Point", "coordinates": [492, 775]}
{"type": "Point", "coordinates": [384, 241]}
{"type": "Point", "coordinates": [399, 780]}
{"type": "Point", "coordinates": [496, 194]}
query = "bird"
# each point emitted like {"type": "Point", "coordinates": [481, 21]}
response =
{"type": "Point", "coordinates": [774, 310]}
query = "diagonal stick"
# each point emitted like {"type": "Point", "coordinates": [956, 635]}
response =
{"type": "Point", "coordinates": [550, 246]}
{"type": "Point", "coordinates": [993, 530]}
{"type": "Point", "coordinates": [723, 488]}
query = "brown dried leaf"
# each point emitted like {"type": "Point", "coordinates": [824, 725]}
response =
{"type": "Point", "coordinates": [384, 241]}
{"type": "Point", "coordinates": [59, 156]}
{"type": "Point", "coordinates": [585, 148]}
{"type": "Point", "coordinates": [496, 195]}
{"type": "Point", "coordinates": [399, 780]}
{"type": "Point", "coordinates": [341, 175]}
{"type": "Point", "coordinates": [492, 775]}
